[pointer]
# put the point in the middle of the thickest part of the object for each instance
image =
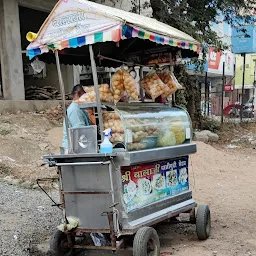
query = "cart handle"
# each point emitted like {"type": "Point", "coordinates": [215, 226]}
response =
{"type": "Point", "coordinates": [52, 180]}
{"type": "Point", "coordinates": [83, 163]}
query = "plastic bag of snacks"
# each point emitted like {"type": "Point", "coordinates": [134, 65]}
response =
{"type": "Point", "coordinates": [88, 89]}
{"type": "Point", "coordinates": [176, 81]}
{"type": "Point", "coordinates": [170, 80]}
{"type": "Point", "coordinates": [106, 94]}
{"type": "Point", "coordinates": [130, 85]}
{"type": "Point", "coordinates": [87, 97]}
{"type": "Point", "coordinates": [90, 95]}
{"type": "Point", "coordinates": [117, 85]}
{"type": "Point", "coordinates": [154, 86]}
{"type": "Point", "coordinates": [166, 138]}
{"type": "Point", "coordinates": [117, 137]}
{"type": "Point", "coordinates": [112, 120]}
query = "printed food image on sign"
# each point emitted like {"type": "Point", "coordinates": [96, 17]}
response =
{"type": "Point", "coordinates": [183, 177]}
{"type": "Point", "coordinates": [159, 181]}
{"type": "Point", "coordinates": [145, 187]}
{"type": "Point", "coordinates": [148, 183]}
{"type": "Point", "coordinates": [130, 191]}
{"type": "Point", "coordinates": [171, 178]}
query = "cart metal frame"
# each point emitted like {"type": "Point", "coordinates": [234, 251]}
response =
{"type": "Point", "coordinates": [118, 226]}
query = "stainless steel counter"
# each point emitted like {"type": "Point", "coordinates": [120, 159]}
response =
{"type": "Point", "coordinates": [151, 155]}
{"type": "Point", "coordinates": [98, 181]}
{"type": "Point", "coordinates": [127, 158]}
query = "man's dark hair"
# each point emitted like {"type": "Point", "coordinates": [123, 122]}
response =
{"type": "Point", "coordinates": [77, 88]}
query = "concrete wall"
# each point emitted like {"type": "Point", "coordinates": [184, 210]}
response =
{"type": "Point", "coordinates": [51, 78]}
{"type": "Point", "coordinates": [10, 51]}
{"type": "Point", "coordinates": [13, 107]}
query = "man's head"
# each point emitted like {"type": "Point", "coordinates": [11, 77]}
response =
{"type": "Point", "coordinates": [77, 91]}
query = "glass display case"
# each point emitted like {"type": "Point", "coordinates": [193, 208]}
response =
{"type": "Point", "coordinates": [141, 126]}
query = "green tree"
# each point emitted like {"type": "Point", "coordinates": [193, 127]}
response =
{"type": "Point", "coordinates": [195, 17]}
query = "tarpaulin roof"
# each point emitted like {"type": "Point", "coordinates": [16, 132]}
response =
{"type": "Point", "coordinates": [75, 23]}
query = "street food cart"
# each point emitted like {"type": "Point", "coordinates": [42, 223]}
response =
{"type": "Point", "coordinates": [145, 181]}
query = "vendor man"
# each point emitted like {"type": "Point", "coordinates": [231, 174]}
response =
{"type": "Point", "coordinates": [77, 117]}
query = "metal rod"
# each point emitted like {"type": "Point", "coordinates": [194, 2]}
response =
{"type": "Point", "coordinates": [111, 183]}
{"type": "Point", "coordinates": [127, 63]}
{"type": "Point", "coordinates": [87, 192]}
{"type": "Point", "coordinates": [81, 231]}
{"type": "Point", "coordinates": [172, 70]}
{"type": "Point", "coordinates": [222, 92]}
{"type": "Point", "coordinates": [38, 183]}
{"type": "Point", "coordinates": [62, 200]}
{"type": "Point", "coordinates": [96, 89]}
{"type": "Point", "coordinates": [91, 247]}
{"type": "Point", "coordinates": [209, 92]}
{"type": "Point", "coordinates": [112, 229]}
{"type": "Point", "coordinates": [254, 101]}
{"type": "Point", "coordinates": [83, 163]}
{"type": "Point", "coordinates": [205, 92]}
{"type": "Point", "coordinates": [62, 90]}
{"type": "Point", "coordinates": [242, 102]}
{"type": "Point", "coordinates": [115, 60]}
{"type": "Point", "coordinates": [141, 89]}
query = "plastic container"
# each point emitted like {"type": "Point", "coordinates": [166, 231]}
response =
{"type": "Point", "coordinates": [106, 147]}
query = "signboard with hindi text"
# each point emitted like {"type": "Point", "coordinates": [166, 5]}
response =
{"type": "Point", "coordinates": [148, 183]}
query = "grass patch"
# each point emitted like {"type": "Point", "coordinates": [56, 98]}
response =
{"type": "Point", "coordinates": [210, 124]}
{"type": "Point", "coordinates": [230, 131]}
{"type": "Point", "coordinates": [5, 169]}
{"type": "Point", "coordinates": [5, 132]}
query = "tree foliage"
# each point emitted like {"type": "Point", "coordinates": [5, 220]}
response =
{"type": "Point", "coordinates": [195, 17]}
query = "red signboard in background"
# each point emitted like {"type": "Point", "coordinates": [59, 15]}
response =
{"type": "Point", "coordinates": [228, 88]}
{"type": "Point", "coordinates": [214, 59]}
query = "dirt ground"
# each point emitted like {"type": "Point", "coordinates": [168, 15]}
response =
{"type": "Point", "coordinates": [24, 139]}
{"type": "Point", "coordinates": [221, 177]}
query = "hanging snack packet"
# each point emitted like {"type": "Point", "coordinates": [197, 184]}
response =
{"type": "Point", "coordinates": [130, 86]}
{"type": "Point", "coordinates": [170, 80]}
{"type": "Point", "coordinates": [167, 78]}
{"type": "Point", "coordinates": [154, 86]}
{"type": "Point", "coordinates": [90, 95]}
{"type": "Point", "coordinates": [88, 89]}
{"type": "Point", "coordinates": [87, 97]}
{"type": "Point", "coordinates": [117, 85]}
{"type": "Point", "coordinates": [105, 93]}
{"type": "Point", "coordinates": [176, 81]}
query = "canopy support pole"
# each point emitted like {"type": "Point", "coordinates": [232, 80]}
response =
{"type": "Point", "coordinates": [96, 89]}
{"type": "Point", "coordinates": [62, 90]}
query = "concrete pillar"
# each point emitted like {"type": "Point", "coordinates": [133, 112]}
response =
{"type": "Point", "coordinates": [11, 57]}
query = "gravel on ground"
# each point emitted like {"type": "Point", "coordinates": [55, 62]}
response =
{"type": "Point", "coordinates": [26, 219]}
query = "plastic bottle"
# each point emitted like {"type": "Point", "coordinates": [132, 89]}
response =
{"type": "Point", "coordinates": [106, 146]}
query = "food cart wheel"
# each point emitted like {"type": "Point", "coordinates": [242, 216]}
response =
{"type": "Point", "coordinates": [146, 242]}
{"type": "Point", "coordinates": [203, 222]}
{"type": "Point", "coordinates": [58, 243]}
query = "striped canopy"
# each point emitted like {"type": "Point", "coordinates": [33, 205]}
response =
{"type": "Point", "coordinates": [75, 23]}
